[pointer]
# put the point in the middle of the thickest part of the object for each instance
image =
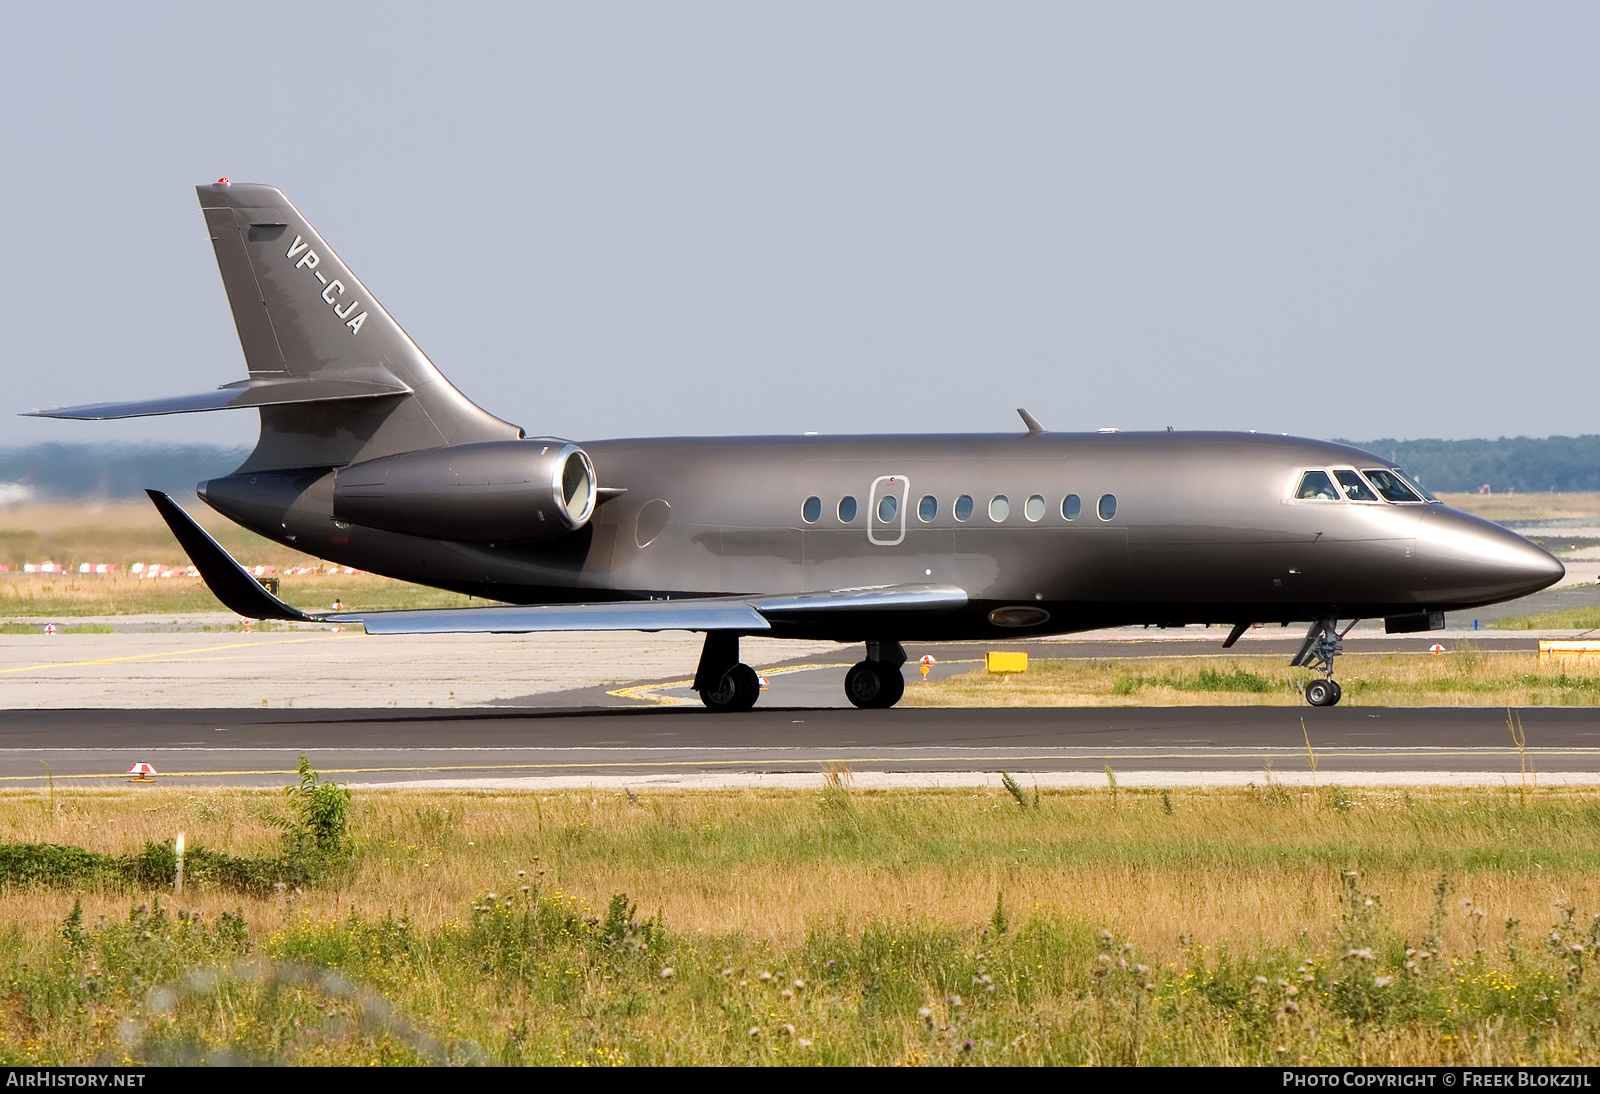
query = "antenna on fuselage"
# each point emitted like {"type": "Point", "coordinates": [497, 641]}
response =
{"type": "Point", "coordinates": [1034, 428]}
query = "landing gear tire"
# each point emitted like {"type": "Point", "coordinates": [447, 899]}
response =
{"type": "Point", "coordinates": [738, 691]}
{"type": "Point", "coordinates": [1323, 693]}
{"type": "Point", "coordinates": [874, 685]}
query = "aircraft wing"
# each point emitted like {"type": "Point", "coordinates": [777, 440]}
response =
{"type": "Point", "coordinates": [242, 593]}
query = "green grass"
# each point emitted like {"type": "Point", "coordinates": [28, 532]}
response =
{"type": "Point", "coordinates": [1575, 619]}
{"type": "Point", "coordinates": [1262, 926]}
{"type": "Point", "coordinates": [1465, 674]}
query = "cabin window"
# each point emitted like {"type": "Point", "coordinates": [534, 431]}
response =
{"type": "Point", "coordinates": [927, 508]}
{"type": "Point", "coordinates": [1354, 486]}
{"type": "Point", "coordinates": [964, 507]}
{"type": "Point", "coordinates": [999, 508]}
{"type": "Point", "coordinates": [1071, 506]}
{"type": "Point", "coordinates": [1316, 486]}
{"type": "Point", "coordinates": [888, 506]}
{"type": "Point", "coordinates": [811, 510]}
{"type": "Point", "coordinates": [1107, 507]}
{"type": "Point", "coordinates": [1034, 510]}
{"type": "Point", "coordinates": [1390, 485]}
{"type": "Point", "coordinates": [847, 509]}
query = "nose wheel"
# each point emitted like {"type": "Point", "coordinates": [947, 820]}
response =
{"type": "Point", "coordinates": [1323, 693]}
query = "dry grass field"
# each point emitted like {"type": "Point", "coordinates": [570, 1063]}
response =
{"type": "Point", "coordinates": [125, 533]}
{"type": "Point", "coordinates": [1256, 926]}
{"type": "Point", "coordinates": [1577, 505]}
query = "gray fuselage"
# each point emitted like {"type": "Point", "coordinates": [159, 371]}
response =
{"type": "Point", "coordinates": [1206, 529]}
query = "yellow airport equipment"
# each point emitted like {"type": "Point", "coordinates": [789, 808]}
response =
{"type": "Point", "coordinates": [1568, 651]}
{"type": "Point", "coordinates": [1005, 664]}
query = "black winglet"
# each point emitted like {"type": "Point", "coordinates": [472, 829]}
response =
{"type": "Point", "coordinates": [231, 583]}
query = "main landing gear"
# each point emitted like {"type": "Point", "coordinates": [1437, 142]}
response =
{"type": "Point", "coordinates": [1323, 643]}
{"type": "Point", "coordinates": [876, 683]}
{"type": "Point", "coordinates": [726, 685]}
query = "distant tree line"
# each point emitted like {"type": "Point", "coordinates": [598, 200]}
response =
{"type": "Point", "coordinates": [1520, 464]}
{"type": "Point", "coordinates": [45, 472]}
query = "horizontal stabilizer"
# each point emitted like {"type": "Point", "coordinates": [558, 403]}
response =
{"type": "Point", "coordinates": [323, 387]}
{"type": "Point", "coordinates": [231, 583]}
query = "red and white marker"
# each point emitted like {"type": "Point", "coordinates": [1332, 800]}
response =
{"type": "Point", "coordinates": [141, 771]}
{"type": "Point", "coordinates": [1436, 648]}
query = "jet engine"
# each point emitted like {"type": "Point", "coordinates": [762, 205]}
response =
{"type": "Point", "coordinates": [490, 491]}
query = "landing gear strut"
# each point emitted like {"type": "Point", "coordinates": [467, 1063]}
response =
{"type": "Point", "coordinates": [726, 685]}
{"type": "Point", "coordinates": [1323, 642]}
{"type": "Point", "coordinates": [876, 683]}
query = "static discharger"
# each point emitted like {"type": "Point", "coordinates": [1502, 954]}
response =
{"type": "Point", "coordinates": [1005, 665]}
{"type": "Point", "coordinates": [141, 773]}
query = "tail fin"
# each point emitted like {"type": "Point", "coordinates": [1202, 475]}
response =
{"type": "Point", "coordinates": [303, 316]}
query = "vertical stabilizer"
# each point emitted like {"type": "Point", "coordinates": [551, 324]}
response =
{"type": "Point", "coordinates": [302, 314]}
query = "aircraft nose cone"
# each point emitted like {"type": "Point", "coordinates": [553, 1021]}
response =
{"type": "Point", "coordinates": [1469, 559]}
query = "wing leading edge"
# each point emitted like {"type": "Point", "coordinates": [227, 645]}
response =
{"type": "Point", "coordinates": [242, 593]}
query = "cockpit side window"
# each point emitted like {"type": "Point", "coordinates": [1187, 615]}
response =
{"type": "Point", "coordinates": [1415, 484]}
{"type": "Point", "coordinates": [1354, 486]}
{"type": "Point", "coordinates": [1316, 486]}
{"type": "Point", "coordinates": [1390, 485]}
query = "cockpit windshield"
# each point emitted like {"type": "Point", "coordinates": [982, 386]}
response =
{"type": "Point", "coordinates": [1391, 486]}
{"type": "Point", "coordinates": [1355, 488]}
{"type": "Point", "coordinates": [1316, 486]}
{"type": "Point", "coordinates": [1415, 484]}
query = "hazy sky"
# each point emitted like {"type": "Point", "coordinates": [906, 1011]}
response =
{"type": "Point", "coordinates": [600, 220]}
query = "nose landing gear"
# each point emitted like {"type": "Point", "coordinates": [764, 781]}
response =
{"type": "Point", "coordinates": [1323, 642]}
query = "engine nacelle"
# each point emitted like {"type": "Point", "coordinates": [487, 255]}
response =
{"type": "Point", "coordinates": [487, 492]}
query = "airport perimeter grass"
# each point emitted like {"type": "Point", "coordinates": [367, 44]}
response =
{"type": "Point", "coordinates": [1463, 676]}
{"type": "Point", "coordinates": [64, 596]}
{"type": "Point", "coordinates": [123, 533]}
{"type": "Point", "coordinates": [1256, 926]}
{"type": "Point", "coordinates": [1570, 619]}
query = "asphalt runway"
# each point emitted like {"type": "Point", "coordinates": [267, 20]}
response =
{"type": "Point", "coordinates": [688, 747]}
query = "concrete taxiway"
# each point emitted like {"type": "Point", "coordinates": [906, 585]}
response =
{"type": "Point", "coordinates": [615, 710]}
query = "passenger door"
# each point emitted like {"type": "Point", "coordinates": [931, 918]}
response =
{"type": "Point", "coordinates": [886, 510]}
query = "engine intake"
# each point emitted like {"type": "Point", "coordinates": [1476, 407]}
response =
{"type": "Point", "coordinates": [488, 492]}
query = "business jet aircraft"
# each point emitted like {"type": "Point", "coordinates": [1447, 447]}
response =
{"type": "Point", "coordinates": [368, 457]}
